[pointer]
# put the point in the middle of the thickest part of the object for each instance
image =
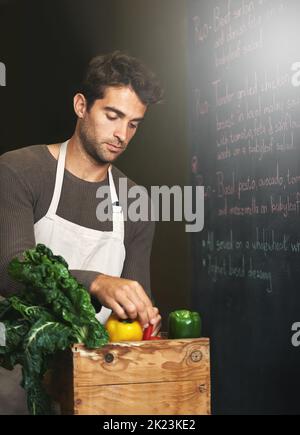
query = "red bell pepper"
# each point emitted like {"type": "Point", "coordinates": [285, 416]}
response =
{"type": "Point", "coordinates": [147, 333]}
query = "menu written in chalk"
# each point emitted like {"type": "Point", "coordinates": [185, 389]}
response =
{"type": "Point", "coordinates": [244, 128]}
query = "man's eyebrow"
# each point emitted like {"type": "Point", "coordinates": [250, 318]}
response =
{"type": "Point", "coordinates": [119, 113]}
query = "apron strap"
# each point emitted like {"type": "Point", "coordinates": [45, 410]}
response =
{"type": "Point", "coordinates": [59, 178]}
{"type": "Point", "coordinates": [118, 216]}
{"type": "Point", "coordinates": [103, 315]}
{"type": "Point", "coordinates": [112, 187]}
{"type": "Point", "coordinates": [118, 227]}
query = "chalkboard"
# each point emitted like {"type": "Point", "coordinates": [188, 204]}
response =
{"type": "Point", "coordinates": [244, 130]}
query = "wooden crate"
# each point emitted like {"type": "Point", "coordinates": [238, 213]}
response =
{"type": "Point", "coordinates": [163, 377]}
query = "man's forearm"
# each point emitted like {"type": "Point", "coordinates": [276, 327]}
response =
{"type": "Point", "coordinates": [85, 277]}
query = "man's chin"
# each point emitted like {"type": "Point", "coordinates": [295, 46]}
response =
{"type": "Point", "coordinates": [106, 159]}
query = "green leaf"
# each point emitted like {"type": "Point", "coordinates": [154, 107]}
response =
{"type": "Point", "coordinates": [30, 312]}
{"type": "Point", "coordinates": [53, 313]}
{"type": "Point", "coordinates": [44, 338]}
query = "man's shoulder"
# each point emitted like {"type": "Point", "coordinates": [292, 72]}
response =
{"type": "Point", "coordinates": [22, 159]}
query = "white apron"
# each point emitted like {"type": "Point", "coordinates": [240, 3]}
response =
{"type": "Point", "coordinates": [83, 249]}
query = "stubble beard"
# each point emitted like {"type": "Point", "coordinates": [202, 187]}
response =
{"type": "Point", "coordinates": [94, 150]}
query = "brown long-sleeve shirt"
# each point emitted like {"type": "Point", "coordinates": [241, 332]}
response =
{"type": "Point", "coordinates": [27, 179]}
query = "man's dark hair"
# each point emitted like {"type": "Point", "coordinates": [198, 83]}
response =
{"type": "Point", "coordinates": [119, 69]}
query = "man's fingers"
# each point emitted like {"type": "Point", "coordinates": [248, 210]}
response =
{"type": "Point", "coordinates": [157, 325]}
{"type": "Point", "coordinates": [128, 301]}
{"type": "Point", "coordinates": [152, 314]}
{"type": "Point", "coordinates": [118, 310]}
{"type": "Point", "coordinates": [140, 307]}
{"type": "Point", "coordinates": [142, 303]}
{"type": "Point", "coordinates": [129, 306]}
{"type": "Point", "coordinates": [142, 294]}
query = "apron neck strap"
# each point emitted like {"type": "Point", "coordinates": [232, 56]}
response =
{"type": "Point", "coordinates": [60, 177]}
{"type": "Point", "coordinates": [117, 212]}
{"type": "Point", "coordinates": [112, 187]}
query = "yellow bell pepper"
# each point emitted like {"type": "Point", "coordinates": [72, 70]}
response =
{"type": "Point", "coordinates": [123, 330]}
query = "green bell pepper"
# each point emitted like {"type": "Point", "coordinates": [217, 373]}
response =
{"type": "Point", "coordinates": [184, 324]}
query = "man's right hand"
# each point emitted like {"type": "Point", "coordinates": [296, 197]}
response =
{"type": "Point", "coordinates": [126, 298]}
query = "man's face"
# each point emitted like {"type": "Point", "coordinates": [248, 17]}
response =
{"type": "Point", "coordinates": [107, 128]}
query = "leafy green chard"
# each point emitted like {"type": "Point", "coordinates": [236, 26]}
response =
{"type": "Point", "coordinates": [12, 353]}
{"type": "Point", "coordinates": [52, 314]}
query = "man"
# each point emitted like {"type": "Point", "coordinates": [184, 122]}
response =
{"type": "Point", "coordinates": [48, 193]}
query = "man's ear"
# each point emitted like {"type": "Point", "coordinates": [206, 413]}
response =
{"type": "Point", "coordinates": [80, 105]}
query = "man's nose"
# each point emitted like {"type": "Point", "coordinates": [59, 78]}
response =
{"type": "Point", "coordinates": [121, 132]}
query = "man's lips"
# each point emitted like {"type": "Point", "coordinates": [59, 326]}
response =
{"type": "Point", "coordinates": [114, 148]}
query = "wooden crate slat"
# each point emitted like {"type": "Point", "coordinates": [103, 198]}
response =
{"type": "Point", "coordinates": [166, 398]}
{"type": "Point", "coordinates": [142, 362]}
